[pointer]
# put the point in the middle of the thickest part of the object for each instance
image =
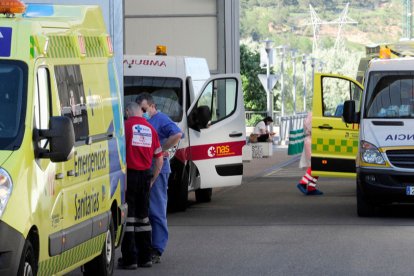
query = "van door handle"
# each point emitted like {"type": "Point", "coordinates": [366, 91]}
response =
{"type": "Point", "coordinates": [59, 176]}
{"type": "Point", "coordinates": [235, 134]}
{"type": "Point", "coordinates": [325, 127]}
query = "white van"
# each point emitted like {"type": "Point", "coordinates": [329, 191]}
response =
{"type": "Point", "coordinates": [210, 111]}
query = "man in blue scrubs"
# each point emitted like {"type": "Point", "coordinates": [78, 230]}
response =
{"type": "Point", "coordinates": [169, 134]}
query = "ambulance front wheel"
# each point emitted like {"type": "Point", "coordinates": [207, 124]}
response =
{"type": "Point", "coordinates": [104, 263]}
{"type": "Point", "coordinates": [203, 195]}
{"type": "Point", "coordinates": [28, 264]}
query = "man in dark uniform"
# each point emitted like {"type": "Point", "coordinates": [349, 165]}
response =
{"type": "Point", "coordinates": [142, 145]}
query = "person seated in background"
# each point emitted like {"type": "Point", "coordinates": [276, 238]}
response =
{"type": "Point", "coordinates": [262, 132]}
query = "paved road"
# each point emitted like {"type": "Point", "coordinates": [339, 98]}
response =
{"type": "Point", "coordinates": [267, 227]}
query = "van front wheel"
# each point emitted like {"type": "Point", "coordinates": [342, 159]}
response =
{"type": "Point", "coordinates": [178, 194]}
{"type": "Point", "coordinates": [28, 266]}
{"type": "Point", "coordinates": [203, 195]}
{"type": "Point", "coordinates": [104, 263]}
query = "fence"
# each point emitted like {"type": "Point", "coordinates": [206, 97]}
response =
{"type": "Point", "coordinates": [288, 123]}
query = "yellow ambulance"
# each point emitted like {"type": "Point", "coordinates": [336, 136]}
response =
{"type": "Point", "coordinates": [62, 160]}
{"type": "Point", "coordinates": [366, 131]}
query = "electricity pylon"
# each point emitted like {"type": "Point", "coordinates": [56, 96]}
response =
{"type": "Point", "coordinates": [316, 22]}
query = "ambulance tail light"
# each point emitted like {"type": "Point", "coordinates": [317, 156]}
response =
{"type": "Point", "coordinates": [107, 45]}
{"type": "Point", "coordinates": [11, 7]}
{"type": "Point", "coordinates": [370, 154]}
{"type": "Point", "coordinates": [6, 187]}
{"type": "Point", "coordinates": [81, 46]}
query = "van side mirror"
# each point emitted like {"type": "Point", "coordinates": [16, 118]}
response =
{"type": "Point", "coordinates": [349, 115]}
{"type": "Point", "coordinates": [61, 137]}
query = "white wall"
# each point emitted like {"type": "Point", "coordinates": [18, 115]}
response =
{"type": "Point", "coordinates": [186, 27]}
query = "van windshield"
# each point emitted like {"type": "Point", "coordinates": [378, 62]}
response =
{"type": "Point", "coordinates": [13, 87]}
{"type": "Point", "coordinates": [167, 93]}
{"type": "Point", "coordinates": [390, 95]}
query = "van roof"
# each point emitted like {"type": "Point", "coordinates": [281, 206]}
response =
{"type": "Point", "coordinates": [82, 17]}
{"type": "Point", "coordinates": [58, 31]}
{"type": "Point", "coordinates": [394, 64]}
{"type": "Point", "coordinates": [166, 66]}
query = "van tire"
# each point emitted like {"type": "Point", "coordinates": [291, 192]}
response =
{"type": "Point", "coordinates": [28, 263]}
{"type": "Point", "coordinates": [178, 194]}
{"type": "Point", "coordinates": [104, 263]}
{"type": "Point", "coordinates": [203, 195]}
{"type": "Point", "coordinates": [364, 207]}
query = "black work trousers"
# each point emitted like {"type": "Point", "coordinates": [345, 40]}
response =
{"type": "Point", "coordinates": [263, 138]}
{"type": "Point", "coordinates": [136, 245]}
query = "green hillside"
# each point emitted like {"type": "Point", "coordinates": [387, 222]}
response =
{"type": "Point", "coordinates": [288, 22]}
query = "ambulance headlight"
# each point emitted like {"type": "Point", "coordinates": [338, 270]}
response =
{"type": "Point", "coordinates": [6, 186]}
{"type": "Point", "coordinates": [370, 154]}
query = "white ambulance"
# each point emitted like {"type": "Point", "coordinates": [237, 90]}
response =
{"type": "Point", "coordinates": [375, 139]}
{"type": "Point", "coordinates": [210, 111]}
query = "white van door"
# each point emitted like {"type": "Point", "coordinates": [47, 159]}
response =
{"type": "Point", "coordinates": [217, 131]}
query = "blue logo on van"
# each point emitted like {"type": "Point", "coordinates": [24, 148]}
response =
{"type": "Point", "coordinates": [5, 41]}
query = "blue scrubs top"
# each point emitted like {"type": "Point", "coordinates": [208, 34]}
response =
{"type": "Point", "coordinates": [165, 127]}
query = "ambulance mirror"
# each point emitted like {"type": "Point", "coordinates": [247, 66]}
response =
{"type": "Point", "coordinates": [349, 114]}
{"type": "Point", "coordinates": [61, 137]}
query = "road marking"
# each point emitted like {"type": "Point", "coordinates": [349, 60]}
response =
{"type": "Point", "coordinates": [270, 170]}
{"type": "Point", "coordinates": [285, 173]}
{"type": "Point", "coordinates": [280, 166]}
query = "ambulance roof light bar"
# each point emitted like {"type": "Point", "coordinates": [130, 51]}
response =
{"type": "Point", "coordinates": [12, 7]}
{"type": "Point", "coordinates": [385, 53]}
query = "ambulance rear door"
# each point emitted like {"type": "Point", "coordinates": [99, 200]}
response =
{"type": "Point", "coordinates": [217, 132]}
{"type": "Point", "coordinates": [334, 143]}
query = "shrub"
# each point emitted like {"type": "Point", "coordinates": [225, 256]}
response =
{"type": "Point", "coordinates": [254, 120]}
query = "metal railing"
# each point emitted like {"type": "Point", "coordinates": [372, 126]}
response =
{"type": "Point", "coordinates": [288, 123]}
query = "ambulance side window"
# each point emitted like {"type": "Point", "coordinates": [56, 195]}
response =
{"type": "Point", "coordinates": [72, 98]}
{"type": "Point", "coordinates": [42, 106]}
{"type": "Point", "coordinates": [335, 91]}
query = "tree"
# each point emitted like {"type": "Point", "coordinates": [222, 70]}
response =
{"type": "Point", "coordinates": [253, 92]}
